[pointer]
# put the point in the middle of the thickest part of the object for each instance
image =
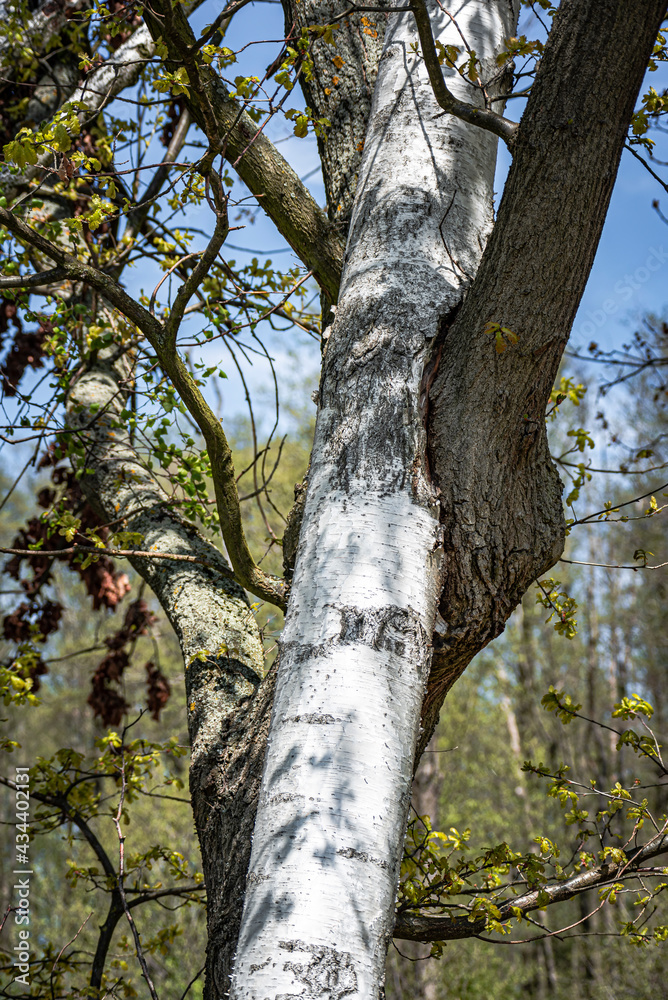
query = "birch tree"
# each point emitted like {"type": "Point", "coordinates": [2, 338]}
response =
{"type": "Point", "coordinates": [431, 502]}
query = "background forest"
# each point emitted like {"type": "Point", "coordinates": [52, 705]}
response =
{"type": "Point", "coordinates": [603, 944]}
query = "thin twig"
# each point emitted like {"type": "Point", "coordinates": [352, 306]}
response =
{"type": "Point", "coordinates": [58, 957]}
{"type": "Point", "coordinates": [577, 562]}
{"type": "Point", "coordinates": [193, 980]}
{"type": "Point", "coordinates": [121, 553]}
{"type": "Point", "coordinates": [646, 166]}
{"type": "Point", "coordinates": [611, 510]}
{"type": "Point", "coordinates": [121, 889]}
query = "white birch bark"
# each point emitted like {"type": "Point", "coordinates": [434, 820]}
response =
{"type": "Point", "coordinates": [44, 24]}
{"type": "Point", "coordinates": [356, 650]}
{"type": "Point", "coordinates": [120, 71]}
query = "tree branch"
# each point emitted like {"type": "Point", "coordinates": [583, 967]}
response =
{"type": "Point", "coordinates": [201, 269]}
{"type": "Point", "coordinates": [120, 880]}
{"type": "Point", "coordinates": [146, 895]}
{"type": "Point", "coordinates": [482, 117]}
{"type": "Point", "coordinates": [617, 507]}
{"type": "Point", "coordinates": [231, 131]}
{"type": "Point", "coordinates": [424, 928]}
{"type": "Point", "coordinates": [73, 814]}
{"type": "Point", "coordinates": [577, 562]}
{"type": "Point", "coordinates": [118, 553]}
{"type": "Point", "coordinates": [115, 910]}
{"type": "Point", "coordinates": [162, 338]}
{"type": "Point", "coordinates": [249, 574]}
{"type": "Point", "coordinates": [33, 280]}
{"type": "Point", "coordinates": [77, 270]}
{"type": "Point", "coordinates": [137, 216]}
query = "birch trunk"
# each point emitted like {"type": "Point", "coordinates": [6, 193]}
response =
{"type": "Point", "coordinates": [356, 647]}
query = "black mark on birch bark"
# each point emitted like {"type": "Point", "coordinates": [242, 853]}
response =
{"type": "Point", "coordinates": [391, 629]}
{"type": "Point", "coordinates": [350, 852]}
{"type": "Point", "coordinates": [328, 974]}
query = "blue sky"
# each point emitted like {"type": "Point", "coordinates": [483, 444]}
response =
{"type": "Point", "coordinates": [630, 272]}
{"type": "Point", "coordinates": [628, 277]}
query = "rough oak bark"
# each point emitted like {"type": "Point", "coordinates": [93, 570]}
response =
{"type": "Point", "coordinates": [500, 493]}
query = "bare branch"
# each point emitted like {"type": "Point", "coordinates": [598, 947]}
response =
{"type": "Point", "coordinates": [232, 132]}
{"type": "Point", "coordinates": [119, 553]}
{"type": "Point", "coordinates": [647, 167]}
{"type": "Point", "coordinates": [201, 269]}
{"type": "Point", "coordinates": [576, 562]}
{"type": "Point", "coordinates": [43, 278]}
{"type": "Point", "coordinates": [72, 814]}
{"type": "Point", "coordinates": [138, 215]}
{"type": "Point", "coordinates": [120, 881]}
{"type": "Point", "coordinates": [482, 117]}
{"type": "Point", "coordinates": [60, 953]}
